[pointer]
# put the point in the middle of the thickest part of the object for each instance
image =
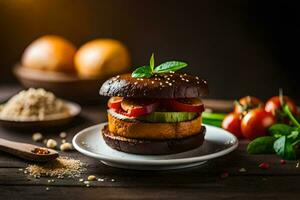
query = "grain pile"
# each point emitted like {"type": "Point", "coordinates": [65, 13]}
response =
{"type": "Point", "coordinates": [61, 167]}
{"type": "Point", "coordinates": [33, 104]}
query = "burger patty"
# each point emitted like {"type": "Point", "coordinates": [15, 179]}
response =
{"type": "Point", "coordinates": [153, 131]}
{"type": "Point", "coordinates": [154, 147]}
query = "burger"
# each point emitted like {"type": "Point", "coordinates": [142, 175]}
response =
{"type": "Point", "coordinates": [154, 110]}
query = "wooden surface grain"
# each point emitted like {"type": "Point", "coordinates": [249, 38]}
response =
{"type": "Point", "coordinates": [204, 182]}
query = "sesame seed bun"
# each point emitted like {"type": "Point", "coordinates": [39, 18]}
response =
{"type": "Point", "coordinates": [164, 86]}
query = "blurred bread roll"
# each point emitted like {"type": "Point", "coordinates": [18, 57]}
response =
{"type": "Point", "coordinates": [51, 53]}
{"type": "Point", "coordinates": [101, 58]}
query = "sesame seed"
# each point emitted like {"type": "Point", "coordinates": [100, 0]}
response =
{"type": "Point", "coordinates": [187, 80]}
{"type": "Point", "coordinates": [47, 188]}
{"type": "Point", "coordinates": [184, 74]}
{"type": "Point", "coordinates": [168, 78]}
{"type": "Point", "coordinates": [198, 82]}
{"type": "Point", "coordinates": [160, 83]}
{"type": "Point", "coordinates": [204, 81]}
{"type": "Point", "coordinates": [112, 180]}
{"type": "Point", "coordinates": [118, 76]}
{"type": "Point", "coordinates": [170, 84]}
{"type": "Point", "coordinates": [152, 82]}
{"type": "Point", "coordinates": [81, 180]}
{"type": "Point", "coordinates": [100, 179]}
{"type": "Point", "coordinates": [197, 77]}
{"type": "Point", "coordinates": [135, 83]}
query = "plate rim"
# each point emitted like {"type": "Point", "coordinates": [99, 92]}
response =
{"type": "Point", "coordinates": [176, 161]}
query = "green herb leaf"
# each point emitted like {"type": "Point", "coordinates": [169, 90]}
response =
{"type": "Point", "coordinates": [293, 136]}
{"type": "Point", "coordinates": [170, 66]}
{"type": "Point", "coordinates": [261, 145]}
{"type": "Point", "coordinates": [278, 130]}
{"type": "Point", "coordinates": [152, 62]}
{"type": "Point", "coordinates": [141, 72]}
{"type": "Point", "coordinates": [284, 148]}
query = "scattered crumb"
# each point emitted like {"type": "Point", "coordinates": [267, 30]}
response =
{"type": "Point", "coordinates": [91, 178]}
{"type": "Point", "coordinates": [242, 170]}
{"type": "Point", "coordinates": [51, 144]}
{"type": "Point", "coordinates": [63, 135]}
{"type": "Point", "coordinates": [60, 168]}
{"type": "Point", "coordinates": [66, 146]}
{"type": "Point", "coordinates": [37, 137]}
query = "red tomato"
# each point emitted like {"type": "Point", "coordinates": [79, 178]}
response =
{"type": "Point", "coordinates": [115, 103]}
{"type": "Point", "coordinates": [138, 107]}
{"type": "Point", "coordinates": [247, 103]}
{"type": "Point", "coordinates": [185, 105]}
{"type": "Point", "coordinates": [273, 105]}
{"type": "Point", "coordinates": [256, 123]}
{"type": "Point", "coordinates": [232, 123]}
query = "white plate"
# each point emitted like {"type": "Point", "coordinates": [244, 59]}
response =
{"type": "Point", "coordinates": [218, 142]}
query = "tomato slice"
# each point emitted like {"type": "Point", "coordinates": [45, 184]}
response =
{"type": "Point", "coordinates": [115, 103]}
{"type": "Point", "coordinates": [138, 107]}
{"type": "Point", "coordinates": [186, 105]}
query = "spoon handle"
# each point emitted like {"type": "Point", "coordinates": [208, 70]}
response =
{"type": "Point", "coordinates": [25, 151]}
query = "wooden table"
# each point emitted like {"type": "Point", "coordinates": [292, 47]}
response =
{"type": "Point", "coordinates": [209, 181]}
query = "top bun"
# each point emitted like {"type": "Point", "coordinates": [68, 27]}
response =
{"type": "Point", "coordinates": [164, 86]}
{"type": "Point", "coordinates": [50, 53]}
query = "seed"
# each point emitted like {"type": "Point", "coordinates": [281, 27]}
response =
{"type": "Point", "coordinates": [264, 165]}
{"type": "Point", "coordinates": [170, 84]}
{"type": "Point", "coordinates": [81, 180]}
{"type": "Point", "coordinates": [63, 135]}
{"type": "Point", "coordinates": [197, 77]}
{"type": "Point", "coordinates": [91, 178]}
{"type": "Point", "coordinates": [112, 180]}
{"type": "Point", "coordinates": [20, 169]}
{"type": "Point", "coordinates": [86, 182]}
{"type": "Point", "coordinates": [47, 188]}
{"type": "Point", "coordinates": [297, 165]}
{"type": "Point", "coordinates": [87, 185]}
{"type": "Point", "coordinates": [51, 144]}
{"type": "Point", "coordinates": [100, 179]}
{"type": "Point", "coordinates": [63, 141]}
{"type": "Point", "coordinates": [37, 137]}
{"type": "Point", "coordinates": [66, 146]}
{"type": "Point", "coordinates": [49, 181]}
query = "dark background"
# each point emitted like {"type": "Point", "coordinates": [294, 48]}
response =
{"type": "Point", "coordinates": [240, 47]}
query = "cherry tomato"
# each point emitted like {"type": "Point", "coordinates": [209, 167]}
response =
{"type": "Point", "coordinates": [115, 103]}
{"type": "Point", "coordinates": [273, 105]}
{"type": "Point", "coordinates": [232, 123]}
{"type": "Point", "coordinates": [185, 105]}
{"type": "Point", "coordinates": [138, 107]}
{"type": "Point", "coordinates": [256, 123]}
{"type": "Point", "coordinates": [247, 103]}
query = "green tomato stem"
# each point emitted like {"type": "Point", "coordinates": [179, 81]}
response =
{"type": "Point", "coordinates": [287, 111]}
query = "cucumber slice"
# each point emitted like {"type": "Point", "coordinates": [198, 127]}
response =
{"type": "Point", "coordinates": [169, 117]}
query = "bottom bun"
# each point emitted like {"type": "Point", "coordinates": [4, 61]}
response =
{"type": "Point", "coordinates": [153, 147]}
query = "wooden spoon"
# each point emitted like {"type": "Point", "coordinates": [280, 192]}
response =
{"type": "Point", "coordinates": [28, 151]}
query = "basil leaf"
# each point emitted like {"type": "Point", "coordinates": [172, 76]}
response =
{"type": "Point", "coordinates": [279, 146]}
{"type": "Point", "coordinates": [170, 66]}
{"type": "Point", "coordinates": [278, 130]}
{"type": "Point", "coordinates": [285, 149]}
{"type": "Point", "coordinates": [141, 72]}
{"type": "Point", "coordinates": [261, 145]}
{"type": "Point", "coordinates": [152, 62]}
